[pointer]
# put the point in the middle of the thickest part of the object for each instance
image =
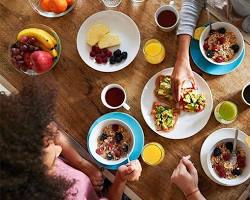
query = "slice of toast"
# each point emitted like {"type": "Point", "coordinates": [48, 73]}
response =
{"type": "Point", "coordinates": [192, 101]}
{"type": "Point", "coordinates": [163, 90]}
{"type": "Point", "coordinates": [165, 117]}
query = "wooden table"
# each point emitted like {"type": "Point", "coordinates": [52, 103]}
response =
{"type": "Point", "coordinates": [79, 88]}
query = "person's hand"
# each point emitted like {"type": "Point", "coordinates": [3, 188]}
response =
{"type": "Point", "coordinates": [185, 176]}
{"type": "Point", "coordinates": [130, 172]}
{"type": "Point", "coordinates": [182, 72]}
{"type": "Point", "coordinates": [96, 178]}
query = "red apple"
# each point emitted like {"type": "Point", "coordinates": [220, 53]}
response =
{"type": "Point", "coordinates": [42, 61]}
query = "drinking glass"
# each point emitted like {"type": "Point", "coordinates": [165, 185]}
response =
{"type": "Point", "coordinates": [137, 1]}
{"type": "Point", "coordinates": [226, 112]}
{"type": "Point", "coordinates": [111, 3]}
{"type": "Point", "coordinates": [154, 51]}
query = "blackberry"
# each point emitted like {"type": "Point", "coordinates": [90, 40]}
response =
{"type": "Point", "coordinates": [217, 152]}
{"type": "Point", "coordinates": [124, 55]}
{"type": "Point", "coordinates": [117, 53]}
{"type": "Point", "coordinates": [229, 146]}
{"type": "Point", "coordinates": [222, 30]}
{"type": "Point", "coordinates": [110, 156]}
{"type": "Point", "coordinates": [118, 137]}
{"type": "Point", "coordinates": [210, 53]}
{"type": "Point", "coordinates": [112, 60]}
{"type": "Point", "coordinates": [103, 136]}
{"type": "Point", "coordinates": [125, 147]}
{"type": "Point", "coordinates": [237, 171]}
{"type": "Point", "coordinates": [118, 59]}
{"type": "Point", "coordinates": [235, 47]}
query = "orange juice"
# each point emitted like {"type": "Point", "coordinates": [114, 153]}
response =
{"type": "Point", "coordinates": [153, 153]}
{"type": "Point", "coordinates": [154, 51]}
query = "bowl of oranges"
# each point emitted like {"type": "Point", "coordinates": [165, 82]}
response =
{"type": "Point", "coordinates": [52, 8]}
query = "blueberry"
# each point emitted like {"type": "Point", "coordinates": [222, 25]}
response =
{"type": "Point", "coordinates": [112, 60]}
{"type": "Point", "coordinates": [125, 147]}
{"type": "Point", "coordinates": [117, 53]}
{"type": "Point", "coordinates": [229, 146]}
{"type": "Point", "coordinates": [115, 127]}
{"type": "Point", "coordinates": [118, 137]}
{"type": "Point", "coordinates": [103, 136]}
{"type": "Point", "coordinates": [110, 156]}
{"type": "Point", "coordinates": [217, 152]}
{"type": "Point", "coordinates": [237, 171]}
{"type": "Point", "coordinates": [235, 47]}
{"type": "Point", "coordinates": [118, 59]}
{"type": "Point", "coordinates": [124, 55]}
{"type": "Point", "coordinates": [222, 30]}
{"type": "Point", "coordinates": [210, 53]}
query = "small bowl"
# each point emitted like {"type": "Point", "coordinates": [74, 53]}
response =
{"type": "Point", "coordinates": [93, 136]}
{"type": "Point", "coordinates": [35, 4]}
{"type": "Point", "coordinates": [239, 179]}
{"type": "Point", "coordinates": [58, 48]}
{"type": "Point", "coordinates": [242, 94]}
{"type": "Point", "coordinates": [228, 27]}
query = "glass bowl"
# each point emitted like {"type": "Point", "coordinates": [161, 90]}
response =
{"type": "Point", "coordinates": [35, 4]}
{"type": "Point", "coordinates": [57, 47]}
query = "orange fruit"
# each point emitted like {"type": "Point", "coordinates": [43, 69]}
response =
{"type": "Point", "coordinates": [70, 2]}
{"type": "Point", "coordinates": [58, 6]}
{"type": "Point", "coordinates": [45, 5]}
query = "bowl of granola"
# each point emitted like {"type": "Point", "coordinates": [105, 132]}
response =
{"type": "Point", "coordinates": [222, 169]}
{"type": "Point", "coordinates": [111, 142]}
{"type": "Point", "coordinates": [223, 44]}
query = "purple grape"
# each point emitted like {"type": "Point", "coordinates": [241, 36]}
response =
{"type": "Point", "coordinates": [24, 48]}
{"type": "Point", "coordinates": [18, 57]}
{"type": "Point", "coordinates": [24, 39]}
{"type": "Point", "coordinates": [31, 48]}
{"type": "Point", "coordinates": [15, 51]}
{"type": "Point", "coordinates": [32, 40]}
{"type": "Point", "coordinates": [20, 62]}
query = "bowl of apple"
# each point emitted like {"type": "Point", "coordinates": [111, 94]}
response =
{"type": "Point", "coordinates": [36, 50]}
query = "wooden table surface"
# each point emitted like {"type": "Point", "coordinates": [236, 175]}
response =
{"type": "Point", "coordinates": [79, 88]}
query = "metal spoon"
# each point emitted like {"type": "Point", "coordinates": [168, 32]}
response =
{"type": "Point", "coordinates": [233, 159]}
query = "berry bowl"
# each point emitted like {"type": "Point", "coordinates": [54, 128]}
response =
{"type": "Point", "coordinates": [223, 45]}
{"type": "Point", "coordinates": [220, 167]}
{"type": "Point", "coordinates": [108, 139]}
{"type": "Point", "coordinates": [35, 50]}
{"type": "Point", "coordinates": [59, 7]}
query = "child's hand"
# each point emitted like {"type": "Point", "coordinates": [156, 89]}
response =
{"type": "Point", "coordinates": [130, 172]}
{"type": "Point", "coordinates": [185, 176]}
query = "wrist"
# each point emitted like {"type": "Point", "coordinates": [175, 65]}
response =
{"type": "Point", "coordinates": [193, 195]}
{"type": "Point", "coordinates": [120, 179]}
{"type": "Point", "coordinates": [87, 167]}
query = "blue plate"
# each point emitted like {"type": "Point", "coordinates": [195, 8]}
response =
{"type": "Point", "coordinates": [208, 67]}
{"type": "Point", "coordinates": [133, 124]}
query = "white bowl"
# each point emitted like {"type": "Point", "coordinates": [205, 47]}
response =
{"type": "Point", "coordinates": [96, 133]}
{"type": "Point", "coordinates": [239, 179]}
{"type": "Point", "coordinates": [228, 27]}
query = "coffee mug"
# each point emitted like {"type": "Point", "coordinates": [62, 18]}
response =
{"type": "Point", "coordinates": [245, 94]}
{"type": "Point", "coordinates": [170, 7]}
{"type": "Point", "coordinates": [113, 96]}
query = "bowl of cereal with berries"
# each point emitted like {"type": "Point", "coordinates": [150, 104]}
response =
{"type": "Point", "coordinates": [111, 142]}
{"type": "Point", "coordinates": [221, 166]}
{"type": "Point", "coordinates": [221, 45]}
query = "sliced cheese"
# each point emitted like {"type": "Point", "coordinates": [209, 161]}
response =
{"type": "Point", "coordinates": [109, 40]}
{"type": "Point", "coordinates": [95, 33]}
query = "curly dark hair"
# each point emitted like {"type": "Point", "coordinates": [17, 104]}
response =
{"type": "Point", "coordinates": [23, 125]}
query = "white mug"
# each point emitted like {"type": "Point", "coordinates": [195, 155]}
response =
{"type": "Point", "coordinates": [169, 7]}
{"type": "Point", "coordinates": [242, 96]}
{"type": "Point", "coordinates": [103, 95]}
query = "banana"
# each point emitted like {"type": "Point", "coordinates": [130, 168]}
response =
{"type": "Point", "coordinates": [42, 36]}
{"type": "Point", "coordinates": [53, 51]}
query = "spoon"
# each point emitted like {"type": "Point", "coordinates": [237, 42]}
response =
{"type": "Point", "coordinates": [233, 159]}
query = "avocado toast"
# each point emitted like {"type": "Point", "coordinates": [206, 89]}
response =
{"type": "Point", "coordinates": [165, 117]}
{"type": "Point", "coordinates": [163, 90]}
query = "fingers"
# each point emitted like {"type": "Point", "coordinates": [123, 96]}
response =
{"type": "Point", "coordinates": [98, 188]}
{"type": "Point", "coordinates": [189, 166]}
{"type": "Point", "coordinates": [178, 92]}
{"type": "Point", "coordinates": [193, 82]}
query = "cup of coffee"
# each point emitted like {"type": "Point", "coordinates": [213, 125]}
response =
{"type": "Point", "coordinates": [113, 96]}
{"type": "Point", "coordinates": [245, 94]}
{"type": "Point", "coordinates": [167, 17]}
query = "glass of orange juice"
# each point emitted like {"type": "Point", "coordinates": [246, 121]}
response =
{"type": "Point", "coordinates": [154, 51]}
{"type": "Point", "coordinates": [153, 153]}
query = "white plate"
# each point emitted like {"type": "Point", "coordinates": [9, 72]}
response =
{"type": "Point", "coordinates": [211, 140]}
{"type": "Point", "coordinates": [188, 124]}
{"type": "Point", "coordinates": [119, 24]}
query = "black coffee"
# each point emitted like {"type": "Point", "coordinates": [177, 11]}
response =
{"type": "Point", "coordinates": [246, 94]}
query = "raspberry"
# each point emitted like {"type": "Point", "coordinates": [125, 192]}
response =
{"type": "Point", "coordinates": [215, 47]}
{"type": "Point", "coordinates": [219, 59]}
{"type": "Point", "coordinates": [241, 161]}
{"type": "Point", "coordinates": [221, 171]}
{"type": "Point", "coordinates": [98, 60]}
{"type": "Point", "coordinates": [221, 40]}
{"type": "Point", "coordinates": [227, 157]}
{"type": "Point", "coordinates": [92, 54]}
{"type": "Point", "coordinates": [205, 46]}
{"type": "Point", "coordinates": [104, 60]}
{"type": "Point", "coordinates": [108, 53]}
{"type": "Point", "coordinates": [105, 50]}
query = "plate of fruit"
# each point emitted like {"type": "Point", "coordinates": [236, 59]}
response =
{"type": "Point", "coordinates": [36, 49]}
{"type": "Point", "coordinates": [108, 41]}
{"type": "Point", "coordinates": [52, 8]}
{"type": "Point", "coordinates": [176, 120]}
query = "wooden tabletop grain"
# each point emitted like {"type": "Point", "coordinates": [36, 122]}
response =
{"type": "Point", "coordinates": [79, 88]}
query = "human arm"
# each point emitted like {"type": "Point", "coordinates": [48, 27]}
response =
{"type": "Point", "coordinates": [185, 176]}
{"type": "Point", "coordinates": [125, 173]}
{"type": "Point", "coordinates": [75, 160]}
{"type": "Point", "coordinates": [189, 14]}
